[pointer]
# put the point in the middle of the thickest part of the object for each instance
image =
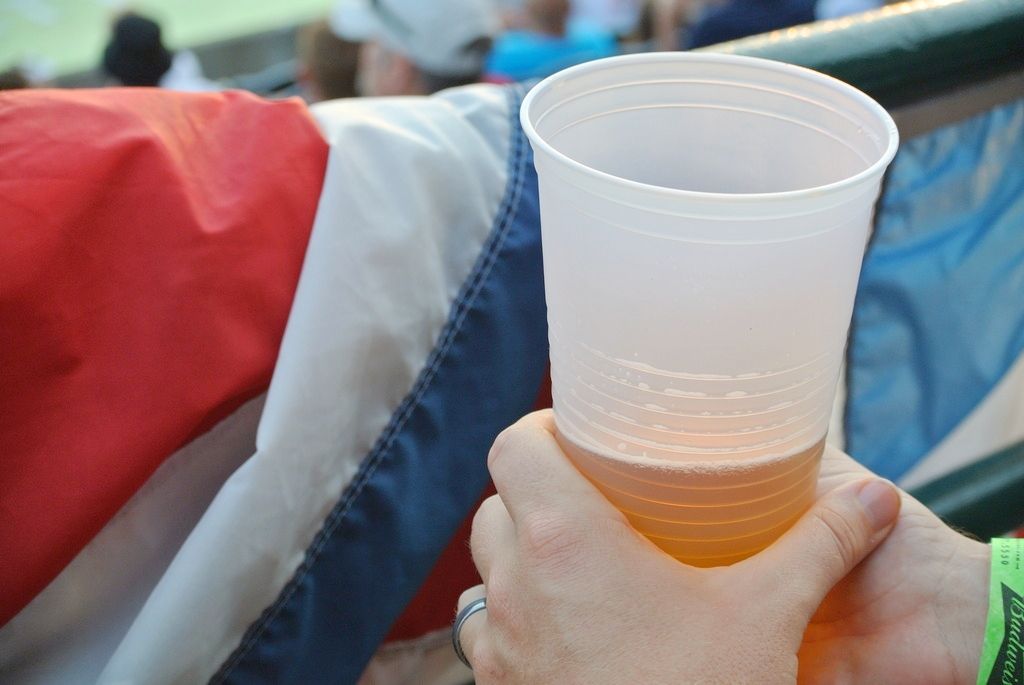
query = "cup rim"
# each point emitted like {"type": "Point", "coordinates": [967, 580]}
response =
{"type": "Point", "coordinates": [875, 168]}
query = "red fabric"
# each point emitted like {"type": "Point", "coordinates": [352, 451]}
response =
{"type": "Point", "coordinates": [433, 607]}
{"type": "Point", "coordinates": [151, 246]}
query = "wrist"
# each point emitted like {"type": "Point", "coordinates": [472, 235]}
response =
{"type": "Point", "coordinates": [962, 623]}
{"type": "Point", "coordinates": [1001, 654]}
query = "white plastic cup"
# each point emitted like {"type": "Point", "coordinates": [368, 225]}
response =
{"type": "Point", "coordinates": [703, 220]}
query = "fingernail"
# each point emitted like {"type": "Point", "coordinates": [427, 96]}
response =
{"type": "Point", "coordinates": [881, 502]}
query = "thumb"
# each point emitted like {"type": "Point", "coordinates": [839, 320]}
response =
{"type": "Point", "coordinates": [839, 530]}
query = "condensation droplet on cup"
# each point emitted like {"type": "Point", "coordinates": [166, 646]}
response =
{"type": "Point", "coordinates": [684, 393]}
{"type": "Point", "coordinates": [736, 393]}
{"type": "Point", "coordinates": [621, 447]}
{"type": "Point", "coordinates": [654, 407]}
{"type": "Point", "coordinates": [643, 386]}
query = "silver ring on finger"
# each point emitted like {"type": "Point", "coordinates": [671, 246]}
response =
{"type": "Point", "coordinates": [476, 605]}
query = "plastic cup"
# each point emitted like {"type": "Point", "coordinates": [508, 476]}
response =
{"type": "Point", "coordinates": [703, 219]}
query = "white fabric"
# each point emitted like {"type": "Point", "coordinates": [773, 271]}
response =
{"type": "Point", "coordinates": [433, 34]}
{"type": "Point", "coordinates": [68, 632]}
{"type": "Point", "coordinates": [186, 75]}
{"type": "Point", "coordinates": [410, 193]}
{"type": "Point", "coordinates": [997, 422]}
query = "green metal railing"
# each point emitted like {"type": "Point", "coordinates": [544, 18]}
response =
{"type": "Point", "coordinates": [906, 52]}
{"type": "Point", "coordinates": [985, 498]}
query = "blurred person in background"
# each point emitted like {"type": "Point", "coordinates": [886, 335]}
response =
{"type": "Point", "coordinates": [414, 47]}
{"type": "Point", "coordinates": [14, 79]}
{"type": "Point", "coordinates": [511, 13]}
{"type": "Point", "coordinates": [137, 56]}
{"type": "Point", "coordinates": [327, 63]}
{"type": "Point", "coordinates": [740, 18]}
{"type": "Point", "coordinates": [619, 17]}
{"type": "Point", "coordinates": [670, 20]}
{"type": "Point", "coordinates": [546, 44]}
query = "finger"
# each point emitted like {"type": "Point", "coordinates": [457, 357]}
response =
{"type": "Point", "coordinates": [468, 595]}
{"type": "Point", "coordinates": [838, 468]}
{"type": "Point", "coordinates": [532, 473]}
{"type": "Point", "coordinates": [493, 535]}
{"type": "Point", "coordinates": [827, 543]}
{"type": "Point", "coordinates": [474, 626]}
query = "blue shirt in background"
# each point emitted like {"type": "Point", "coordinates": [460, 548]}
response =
{"type": "Point", "coordinates": [521, 55]}
{"type": "Point", "coordinates": [741, 18]}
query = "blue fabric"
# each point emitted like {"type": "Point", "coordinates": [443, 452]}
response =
{"type": "Point", "coordinates": [939, 317]}
{"type": "Point", "coordinates": [740, 18]}
{"type": "Point", "coordinates": [426, 471]}
{"type": "Point", "coordinates": [522, 55]}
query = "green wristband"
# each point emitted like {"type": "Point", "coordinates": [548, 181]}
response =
{"type": "Point", "coordinates": [1002, 656]}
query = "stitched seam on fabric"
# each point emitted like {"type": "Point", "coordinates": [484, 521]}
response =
{"type": "Point", "coordinates": [463, 304]}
